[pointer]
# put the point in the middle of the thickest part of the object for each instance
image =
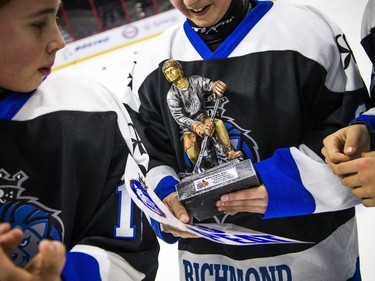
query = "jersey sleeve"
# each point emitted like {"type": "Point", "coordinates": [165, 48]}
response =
{"type": "Point", "coordinates": [161, 177]}
{"type": "Point", "coordinates": [296, 178]}
{"type": "Point", "coordinates": [86, 263]}
{"type": "Point", "coordinates": [117, 242]}
{"type": "Point", "coordinates": [368, 118]}
{"type": "Point", "coordinates": [305, 184]}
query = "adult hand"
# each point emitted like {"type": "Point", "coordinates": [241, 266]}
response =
{"type": "Point", "coordinates": [47, 265]}
{"type": "Point", "coordinates": [359, 174]}
{"type": "Point", "coordinates": [218, 88]}
{"type": "Point", "coordinates": [172, 202]}
{"type": "Point", "coordinates": [346, 144]}
{"type": "Point", "coordinates": [254, 200]}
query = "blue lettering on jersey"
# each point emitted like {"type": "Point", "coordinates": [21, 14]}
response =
{"type": "Point", "coordinates": [194, 271]}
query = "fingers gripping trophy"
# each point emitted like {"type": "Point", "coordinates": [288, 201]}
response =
{"type": "Point", "coordinates": [186, 100]}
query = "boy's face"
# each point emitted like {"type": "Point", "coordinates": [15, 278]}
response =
{"type": "Point", "coordinates": [29, 39]}
{"type": "Point", "coordinates": [203, 13]}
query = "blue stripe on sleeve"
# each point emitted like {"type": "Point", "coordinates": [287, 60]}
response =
{"type": "Point", "coordinates": [80, 266]}
{"type": "Point", "coordinates": [287, 195]}
{"type": "Point", "coordinates": [368, 119]}
{"type": "Point", "coordinates": [165, 187]}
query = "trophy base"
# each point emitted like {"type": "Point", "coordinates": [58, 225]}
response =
{"type": "Point", "coordinates": [199, 192]}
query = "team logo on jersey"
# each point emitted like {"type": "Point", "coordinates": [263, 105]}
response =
{"type": "Point", "coordinates": [138, 146]}
{"type": "Point", "coordinates": [239, 137]}
{"type": "Point", "coordinates": [36, 220]}
{"type": "Point", "coordinates": [345, 50]}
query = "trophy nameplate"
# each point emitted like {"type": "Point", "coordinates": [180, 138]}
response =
{"type": "Point", "coordinates": [199, 192]}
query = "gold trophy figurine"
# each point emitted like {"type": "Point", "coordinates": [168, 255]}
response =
{"type": "Point", "coordinates": [204, 135]}
{"type": "Point", "coordinates": [186, 101]}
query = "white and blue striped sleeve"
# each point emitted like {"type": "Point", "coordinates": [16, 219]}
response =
{"type": "Point", "coordinates": [300, 183]}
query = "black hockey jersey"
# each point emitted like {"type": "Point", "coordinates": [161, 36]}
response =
{"type": "Point", "coordinates": [292, 80]}
{"type": "Point", "coordinates": [63, 162]}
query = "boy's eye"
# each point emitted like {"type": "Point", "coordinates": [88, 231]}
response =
{"type": "Point", "coordinates": [40, 25]}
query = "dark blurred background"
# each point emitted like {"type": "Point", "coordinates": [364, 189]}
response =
{"type": "Point", "coordinates": [82, 18]}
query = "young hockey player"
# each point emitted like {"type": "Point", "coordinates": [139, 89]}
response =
{"type": "Point", "coordinates": [291, 80]}
{"type": "Point", "coordinates": [64, 154]}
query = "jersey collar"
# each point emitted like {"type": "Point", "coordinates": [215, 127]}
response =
{"type": "Point", "coordinates": [232, 41]}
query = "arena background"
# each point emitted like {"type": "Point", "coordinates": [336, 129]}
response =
{"type": "Point", "coordinates": [104, 35]}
